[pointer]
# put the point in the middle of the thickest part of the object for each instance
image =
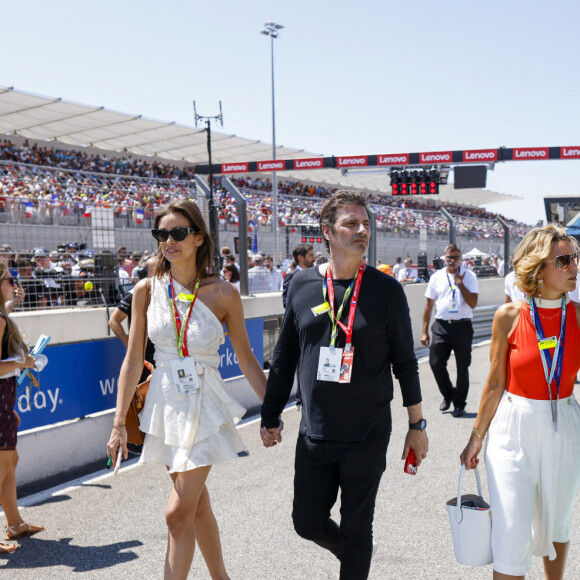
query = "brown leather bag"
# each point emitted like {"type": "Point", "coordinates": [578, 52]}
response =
{"type": "Point", "coordinates": [134, 435]}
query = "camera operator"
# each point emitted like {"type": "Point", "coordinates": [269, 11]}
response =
{"type": "Point", "coordinates": [83, 289]}
{"type": "Point", "coordinates": [52, 293]}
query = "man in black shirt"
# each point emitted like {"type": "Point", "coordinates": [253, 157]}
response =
{"type": "Point", "coordinates": [345, 427]}
{"type": "Point", "coordinates": [303, 255]}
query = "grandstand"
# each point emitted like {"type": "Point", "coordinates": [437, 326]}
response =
{"type": "Point", "coordinates": [65, 169]}
{"type": "Point", "coordinates": [66, 125]}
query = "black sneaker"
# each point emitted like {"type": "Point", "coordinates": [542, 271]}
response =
{"type": "Point", "coordinates": [458, 412]}
{"type": "Point", "coordinates": [444, 406]}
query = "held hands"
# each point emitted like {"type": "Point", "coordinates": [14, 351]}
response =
{"type": "Point", "coordinates": [469, 457]}
{"type": "Point", "coordinates": [271, 437]}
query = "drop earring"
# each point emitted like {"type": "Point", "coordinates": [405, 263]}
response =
{"type": "Point", "coordinates": [540, 282]}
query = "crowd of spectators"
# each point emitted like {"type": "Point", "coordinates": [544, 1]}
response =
{"type": "Point", "coordinates": [41, 182]}
{"type": "Point", "coordinates": [72, 275]}
{"type": "Point", "coordinates": [32, 154]}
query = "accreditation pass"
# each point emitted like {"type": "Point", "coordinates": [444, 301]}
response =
{"type": "Point", "coordinates": [184, 375]}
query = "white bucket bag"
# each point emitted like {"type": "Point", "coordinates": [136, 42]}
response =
{"type": "Point", "coordinates": [470, 519]}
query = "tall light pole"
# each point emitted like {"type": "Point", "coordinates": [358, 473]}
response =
{"type": "Point", "coordinates": [213, 214]}
{"type": "Point", "coordinates": [272, 29]}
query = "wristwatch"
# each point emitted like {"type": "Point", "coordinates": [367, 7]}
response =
{"type": "Point", "coordinates": [420, 425]}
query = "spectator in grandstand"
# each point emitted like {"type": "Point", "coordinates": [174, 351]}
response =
{"type": "Point", "coordinates": [454, 292]}
{"type": "Point", "coordinates": [397, 266]}
{"type": "Point", "coordinates": [135, 259]}
{"type": "Point", "coordinates": [304, 257]}
{"type": "Point", "coordinates": [225, 251]}
{"type": "Point", "coordinates": [407, 273]}
{"type": "Point", "coordinates": [186, 382]}
{"type": "Point", "coordinates": [32, 288]}
{"type": "Point", "coordinates": [231, 274]}
{"type": "Point", "coordinates": [72, 252]}
{"type": "Point", "coordinates": [231, 260]}
{"type": "Point", "coordinates": [259, 277]}
{"type": "Point", "coordinates": [276, 279]}
{"type": "Point", "coordinates": [48, 275]}
{"type": "Point", "coordinates": [13, 357]}
{"type": "Point", "coordinates": [83, 290]}
{"type": "Point", "coordinates": [532, 422]}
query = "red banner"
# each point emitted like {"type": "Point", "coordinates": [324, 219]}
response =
{"type": "Point", "coordinates": [531, 153]}
{"type": "Point", "coordinates": [393, 159]}
{"type": "Point", "coordinates": [352, 161]}
{"type": "Point", "coordinates": [436, 157]}
{"type": "Point", "coordinates": [235, 167]}
{"type": "Point", "coordinates": [479, 155]}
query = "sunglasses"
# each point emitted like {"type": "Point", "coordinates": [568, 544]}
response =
{"type": "Point", "coordinates": [178, 234]}
{"type": "Point", "coordinates": [453, 258]}
{"type": "Point", "coordinates": [9, 280]}
{"type": "Point", "coordinates": [565, 261]}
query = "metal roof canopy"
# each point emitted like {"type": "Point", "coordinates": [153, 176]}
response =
{"type": "Point", "coordinates": [55, 120]}
{"type": "Point", "coordinates": [48, 119]}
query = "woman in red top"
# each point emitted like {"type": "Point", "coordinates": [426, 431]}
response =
{"type": "Point", "coordinates": [528, 410]}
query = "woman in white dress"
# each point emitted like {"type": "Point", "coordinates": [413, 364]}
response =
{"type": "Point", "coordinates": [188, 416]}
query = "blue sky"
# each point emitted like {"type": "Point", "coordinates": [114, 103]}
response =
{"type": "Point", "coordinates": [377, 76]}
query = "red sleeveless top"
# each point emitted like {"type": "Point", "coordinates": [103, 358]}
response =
{"type": "Point", "coordinates": [525, 372]}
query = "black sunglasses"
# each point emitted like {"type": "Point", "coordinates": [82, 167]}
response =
{"type": "Point", "coordinates": [178, 234]}
{"type": "Point", "coordinates": [9, 280]}
{"type": "Point", "coordinates": [564, 261]}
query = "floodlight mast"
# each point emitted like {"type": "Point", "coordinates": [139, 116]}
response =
{"type": "Point", "coordinates": [272, 30]}
{"type": "Point", "coordinates": [213, 214]}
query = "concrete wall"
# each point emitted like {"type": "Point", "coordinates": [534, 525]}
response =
{"type": "Point", "coordinates": [50, 450]}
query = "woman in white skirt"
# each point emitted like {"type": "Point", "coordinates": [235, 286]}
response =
{"type": "Point", "coordinates": [529, 413]}
{"type": "Point", "coordinates": [188, 416]}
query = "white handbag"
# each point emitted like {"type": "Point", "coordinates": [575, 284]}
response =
{"type": "Point", "coordinates": [470, 519]}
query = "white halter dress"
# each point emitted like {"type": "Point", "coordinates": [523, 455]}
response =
{"type": "Point", "coordinates": [187, 431]}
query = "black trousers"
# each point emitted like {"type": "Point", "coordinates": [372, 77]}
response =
{"type": "Point", "coordinates": [456, 336]}
{"type": "Point", "coordinates": [321, 469]}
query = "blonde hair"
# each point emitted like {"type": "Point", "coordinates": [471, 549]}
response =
{"type": "Point", "coordinates": [533, 251]}
{"type": "Point", "coordinates": [16, 345]}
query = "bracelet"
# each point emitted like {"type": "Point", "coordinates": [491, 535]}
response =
{"type": "Point", "coordinates": [478, 433]}
{"type": "Point", "coordinates": [118, 426]}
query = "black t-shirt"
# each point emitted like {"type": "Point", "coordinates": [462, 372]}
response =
{"type": "Point", "coordinates": [382, 338]}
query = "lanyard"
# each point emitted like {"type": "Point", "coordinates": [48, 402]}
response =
{"type": "Point", "coordinates": [555, 364]}
{"type": "Point", "coordinates": [453, 289]}
{"type": "Point", "coordinates": [181, 329]}
{"type": "Point", "coordinates": [327, 284]}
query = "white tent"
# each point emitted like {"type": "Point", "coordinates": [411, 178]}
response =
{"type": "Point", "coordinates": [475, 253]}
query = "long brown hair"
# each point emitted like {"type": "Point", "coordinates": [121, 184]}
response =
{"type": "Point", "coordinates": [192, 214]}
{"type": "Point", "coordinates": [15, 343]}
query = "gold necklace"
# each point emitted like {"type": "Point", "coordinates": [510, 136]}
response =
{"type": "Point", "coordinates": [558, 311]}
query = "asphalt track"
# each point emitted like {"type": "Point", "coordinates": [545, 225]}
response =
{"type": "Point", "coordinates": [106, 526]}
